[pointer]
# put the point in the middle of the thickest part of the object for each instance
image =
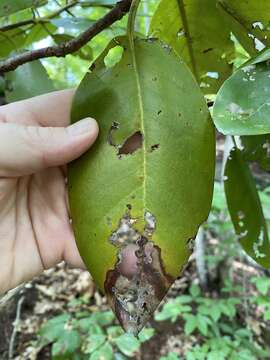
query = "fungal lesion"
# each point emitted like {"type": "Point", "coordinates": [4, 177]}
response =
{"type": "Point", "coordinates": [138, 282]}
{"type": "Point", "coordinates": [131, 144]}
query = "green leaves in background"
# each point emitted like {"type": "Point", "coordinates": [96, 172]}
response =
{"type": "Point", "coordinates": [8, 7]}
{"type": "Point", "coordinates": [245, 208]}
{"type": "Point", "coordinates": [197, 32]}
{"type": "Point", "coordinates": [257, 148]}
{"type": "Point", "coordinates": [249, 22]}
{"type": "Point", "coordinates": [11, 41]}
{"type": "Point", "coordinates": [27, 81]}
{"type": "Point", "coordinates": [242, 106]}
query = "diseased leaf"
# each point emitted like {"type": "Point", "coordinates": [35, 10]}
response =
{"type": "Point", "coordinates": [249, 21]}
{"type": "Point", "coordinates": [242, 106]}
{"type": "Point", "coordinates": [27, 81]}
{"type": "Point", "coordinates": [245, 209]}
{"type": "Point", "coordinates": [147, 183]}
{"type": "Point", "coordinates": [198, 33]}
{"type": "Point", "coordinates": [8, 7]}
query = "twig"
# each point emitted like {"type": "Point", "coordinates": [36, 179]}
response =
{"type": "Point", "coordinates": [69, 47]}
{"type": "Point", "coordinates": [15, 328]}
{"type": "Point", "coordinates": [6, 298]}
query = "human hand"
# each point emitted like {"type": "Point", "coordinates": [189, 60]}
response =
{"type": "Point", "coordinates": [35, 144]}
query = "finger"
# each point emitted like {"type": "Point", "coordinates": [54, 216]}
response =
{"type": "Point", "coordinates": [51, 109]}
{"type": "Point", "coordinates": [27, 149]}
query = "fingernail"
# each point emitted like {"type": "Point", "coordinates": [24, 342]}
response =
{"type": "Point", "coordinates": [82, 127]}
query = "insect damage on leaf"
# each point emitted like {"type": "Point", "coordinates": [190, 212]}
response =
{"type": "Point", "coordinates": [138, 282]}
{"type": "Point", "coordinates": [130, 145]}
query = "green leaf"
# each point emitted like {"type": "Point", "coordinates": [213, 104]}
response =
{"type": "Point", "coordinates": [127, 344]}
{"type": "Point", "coordinates": [27, 81]}
{"type": "Point", "coordinates": [170, 356]}
{"type": "Point", "coordinates": [8, 7]}
{"type": "Point", "coordinates": [54, 328]}
{"type": "Point", "coordinates": [114, 331]}
{"type": "Point", "coordinates": [94, 342]}
{"type": "Point", "coordinates": [164, 113]}
{"type": "Point", "coordinates": [72, 23]}
{"type": "Point", "coordinates": [249, 21]}
{"type": "Point", "coordinates": [171, 311]}
{"type": "Point", "coordinates": [159, 177]}
{"type": "Point", "coordinates": [199, 35]}
{"type": "Point", "coordinates": [190, 324]}
{"type": "Point", "coordinates": [215, 312]}
{"type": "Point", "coordinates": [103, 318]}
{"type": "Point", "coordinates": [245, 209]}
{"type": "Point", "coordinates": [105, 352]}
{"type": "Point", "coordinates": [262, 284]}
{"type": "Point", "coordinates": [257, 148]}
{"type": "Point", "coordinates": [194, 290]}
{"type": "Point", "coordinates": [39, 32]}
{"type": "Point", "coordinates": [11, 41]}
{"type": "Point", "coordinates": [242, 105]}
{"type": "Point", "coordinates": [202, 324]}
{"type": "Point", "coordinates": [146, 334]}
{"type": "Point", "coordinates": [67, 344]}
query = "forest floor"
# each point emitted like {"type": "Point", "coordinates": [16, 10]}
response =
{"type": "Point", "coordinates": [50, 294]}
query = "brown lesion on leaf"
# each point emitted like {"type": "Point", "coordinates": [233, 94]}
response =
{"type": "Point", "coordinates": [138, 282]}
{"type": "Point", "coordinates": [207, 50]}
{"type": "Point", "coordinates": [155, 147]}
{"type": "Point", "coordinates": [130, 145]}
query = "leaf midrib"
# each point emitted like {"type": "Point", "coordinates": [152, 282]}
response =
{"type": "Point", "coordinates": [141, 112]}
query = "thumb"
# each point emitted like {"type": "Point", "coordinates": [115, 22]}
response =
{"type": "Point", "coordinates": [28, 149]}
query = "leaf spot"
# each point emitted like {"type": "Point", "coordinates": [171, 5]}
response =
{"type": "Point", "coordinates": [155, 147]}
{"type": "Point", "coordinates": [132, 144]}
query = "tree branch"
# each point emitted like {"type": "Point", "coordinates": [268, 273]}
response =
{"type": "Point", "coordinates": [69, 47]}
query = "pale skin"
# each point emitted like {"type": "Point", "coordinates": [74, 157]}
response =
{"type": "Point", "coordinates": [36, 143]}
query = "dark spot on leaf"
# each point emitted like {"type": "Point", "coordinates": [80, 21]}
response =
{"type": "Point", "coordinates": [155, 147]}
{"type": "Point", "coordinates": [132, 144]}
{"type": "Point", "coordinates": [129, 206]}
{"type": "Point", "coordinates": [154, 78]}
{"type": "Point", "coordinates": [92, 67]}
{"type": "Point", "coordinates": [159, 112]}
{"type": "Point", "coordinates": [179, 114]}
{"type": "Point", "coordinates": [207, 50]}
{"type": "Point", "coordinates": [114, 126]}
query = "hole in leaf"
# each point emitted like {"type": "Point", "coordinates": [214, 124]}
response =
{"type": "Point", "coordinates": [132, 144]}
{"type": "Point", "coordinates": [114, 56]}
{"type": "Point", "coordinates": [155, 147]}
